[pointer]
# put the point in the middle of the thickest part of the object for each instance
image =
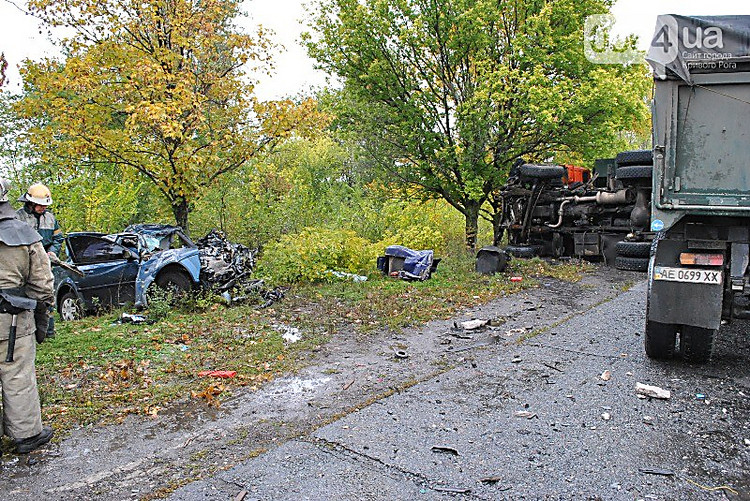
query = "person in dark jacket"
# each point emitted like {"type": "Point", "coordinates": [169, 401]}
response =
{"type": "Point", "coordinates": [35, 213]}
{"type": "Point", "coordinates": [24, 271]}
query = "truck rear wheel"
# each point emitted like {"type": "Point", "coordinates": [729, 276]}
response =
{"type": "Point", "coordinates": [660, 340]}
{"type": "Point", "coordinates": [696, 343]}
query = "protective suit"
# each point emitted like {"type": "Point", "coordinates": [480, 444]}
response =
{"type": "Point", "coordinates": [24, 269]}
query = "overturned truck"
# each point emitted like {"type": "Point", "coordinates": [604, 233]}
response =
{"type": "Point", "coordinates": [553, 210]}
{"type": "Point", "coordinates": [698, 275]}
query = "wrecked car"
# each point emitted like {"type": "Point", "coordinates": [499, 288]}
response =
{"type": "Point", "coordinates": [114, 270]}
{"type": "Point", "coordinates": [119, 268]}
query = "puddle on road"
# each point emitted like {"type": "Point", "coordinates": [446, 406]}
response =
{"type": "Point", "coordinates": [295, 389]}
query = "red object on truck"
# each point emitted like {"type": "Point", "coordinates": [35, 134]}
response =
{"type": "Point", "coordinates": [577, 174]}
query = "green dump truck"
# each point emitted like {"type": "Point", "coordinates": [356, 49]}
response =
{"type": "Point", "coordinates": [698, 272]}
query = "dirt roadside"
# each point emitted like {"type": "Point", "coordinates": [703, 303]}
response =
{"type": "Point", "coordinates": [147, 457]}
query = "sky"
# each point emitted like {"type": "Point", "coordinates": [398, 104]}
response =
{"type": "Point", "coordinates": [21, 37]}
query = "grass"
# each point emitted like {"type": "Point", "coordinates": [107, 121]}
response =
{"type": "Point", "coordinates": [98, 371]}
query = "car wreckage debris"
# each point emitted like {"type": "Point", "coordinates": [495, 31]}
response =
{"type": "Point", "coordinates": [227, 267]}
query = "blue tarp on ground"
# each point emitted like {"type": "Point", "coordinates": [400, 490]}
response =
{"type": "Point", "coordinates": [417, 264]}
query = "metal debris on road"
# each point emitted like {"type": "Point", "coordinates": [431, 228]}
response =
{"type": "Point", "coordinates": [444, 449]}
{"type": "Point", "coordinates": [525, 414]}
{"type": "Point", "coordinates": [474, 324]}
{"type": "Point", "coordinates": [401, 354]}
{"type": "Point", "coordinates": [652, 391]}
{"type": "Point", "coordinates": [656, 471]}
{"type": "Point", "coordinates": [453, 490]}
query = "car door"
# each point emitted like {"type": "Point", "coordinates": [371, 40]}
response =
{"type": "Point", "coordinates": [110, 270]}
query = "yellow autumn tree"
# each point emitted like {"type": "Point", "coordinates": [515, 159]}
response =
{"type": "Point", "coordinates": [158, 86]}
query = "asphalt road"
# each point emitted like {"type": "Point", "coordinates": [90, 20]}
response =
{"type": "Point", "coordinates": [533, 420]}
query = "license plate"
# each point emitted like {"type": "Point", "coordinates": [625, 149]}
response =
{"type": "Point", "coordinates": [692, 275]}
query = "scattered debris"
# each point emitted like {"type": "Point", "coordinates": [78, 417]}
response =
{"type": "Point", "coordinates": [453, 490]}
{"type": "Point", "coordinates": [747, 442]}
{"type": "Point", "coordinates": [491, 480]}
{"type": "Point", "coordinates": [288, 333]}
{"type": "Point", "coordinates": [445, 449]}
{"type": "Point", "coordinates": [513, 332]}
{"type": "Point", "coordinates": [516, 360]}
{"type": "Point", "coordinates": [652, 391]}
{"type": "Point", "coordinates": [219, 374]}
{"type": "Point", "coordinates": [401, 354]}
{"type": "Point", "coordinates": [407, 264]}
{"type": "Point", "coordinates": [606, 375]}
{"type": "Point", "coordinates": [226, 269]}
{"type": "Point", "coordinates": [491, 260]}
{"type": "Point", "coordinates": [347, 276]}
{"type": "Point", "coordinates": [553, 367]}
{"type": "Point", "coordinates": [348, 385]}
{"type": "Point", "coordinates": [606, 416]}
{"type": "Point", "coordinates": [648, 420]}
{"type": "Point", "coordinates": [240, 495]}
{"type": "Point", "coordinates": [700, 396]}
{"type": "Point", "coordinates": [129, 318]}
{"type": "Point", "coordinates": [656, 471]}
{"type": "Point", "coordinates": [516, 279]}
{"type": "Point", "coordinates": [525, 414]}
{"type": "Point", "coordinates": [474, 324]}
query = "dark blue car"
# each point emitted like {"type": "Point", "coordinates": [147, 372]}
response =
{"type": "Point", "coordinates": [119, 268]}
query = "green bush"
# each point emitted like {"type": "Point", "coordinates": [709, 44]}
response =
{"type": "Point", "coordinates": [309, 255]}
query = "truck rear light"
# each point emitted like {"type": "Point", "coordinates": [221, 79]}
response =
{"type": "Point", "coordinates": [702, 259]}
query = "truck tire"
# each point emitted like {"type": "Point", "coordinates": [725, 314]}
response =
{"type": "Point", "coordinates": [542, 171]}
{"type": "Point", "coordinates": [634, 157]}
{"type": "Point", "coordinates": [696, 343]}
{"type": "Point", "coordinates": [634, 172]}
{"type": "Point", "coordinates": [633, 249]}
{"type": "Point", "coordinates": [659, 340]}
{"type": "Point", "coordinates": [522, 251]}
{"type": "Point", "coordinates": [631, 263]}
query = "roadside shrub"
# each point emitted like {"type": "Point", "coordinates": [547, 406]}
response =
{"type": "Point", "coordinates": [307, 256]}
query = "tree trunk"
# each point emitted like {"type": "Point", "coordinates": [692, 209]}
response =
{"type": "Point", "coordinates": [181, 210]}
{"type": "Point", "coordinates": [472, 226]}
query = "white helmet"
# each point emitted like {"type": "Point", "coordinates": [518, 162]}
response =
{"type": "Point", "coordinates": [37, 194]}
{"type": "Point", "coordinates": [4, 189]}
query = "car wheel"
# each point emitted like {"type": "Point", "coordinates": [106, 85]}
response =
{"type": "Point", "coordinates": [69, 307]}
{"type": "Point", "coordinates": [175, 281]}
{"type": "Point", "coordinates": [696, 343]}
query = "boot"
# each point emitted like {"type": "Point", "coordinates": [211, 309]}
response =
{"type": "Point", "coordinates": [26, 445]}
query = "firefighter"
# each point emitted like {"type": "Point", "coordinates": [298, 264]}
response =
{"type": "Point", "coordinates": [25, 277]}
{"type": "Point", "coordinates": [37, 200]}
